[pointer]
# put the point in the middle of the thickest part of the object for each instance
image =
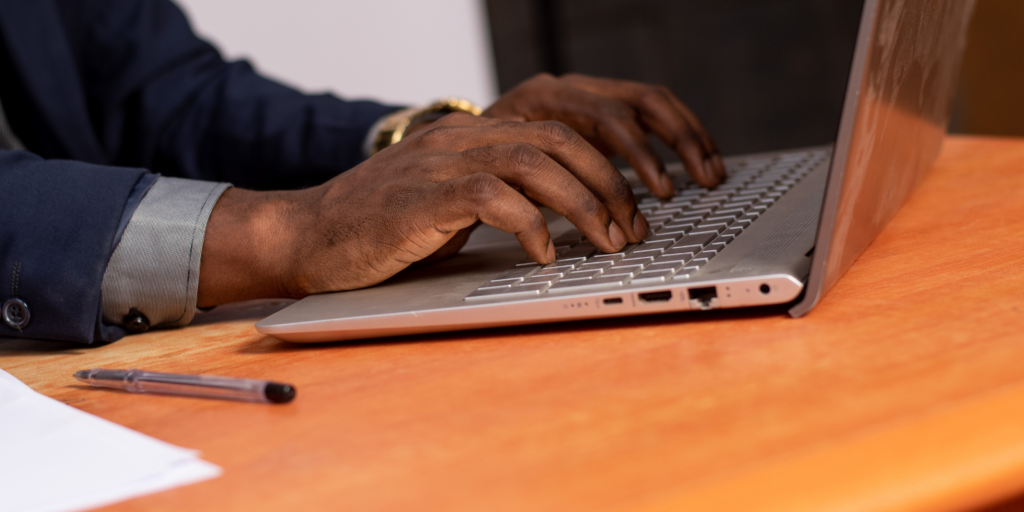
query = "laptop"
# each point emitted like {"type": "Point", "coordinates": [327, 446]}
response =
{"type": "Point", "coordinates": [781, 229]}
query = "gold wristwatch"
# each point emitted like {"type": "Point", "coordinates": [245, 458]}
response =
{"type": "Point", "coordinates": [393, 127]}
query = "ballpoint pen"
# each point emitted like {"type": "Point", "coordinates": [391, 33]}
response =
{"type": "Point", "coordinates": [204, 386]}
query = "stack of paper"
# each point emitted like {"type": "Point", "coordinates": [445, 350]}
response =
{"type": "Point", "coordinates": [54, 457]}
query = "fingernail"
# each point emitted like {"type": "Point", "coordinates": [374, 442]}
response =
{"type": "Point", "coordinates": [615, 235]}
{"type": "Point", "coordinates": [640, 226]}
{"type": "Point", "coordinates": [551, 251]}
{"type": "Point", "coordinates": [666, 181]}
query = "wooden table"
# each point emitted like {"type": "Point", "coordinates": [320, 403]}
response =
{"type": "Point", "coordinates": [903, 390]}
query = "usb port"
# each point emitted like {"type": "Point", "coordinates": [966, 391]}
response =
{"type": "Point", "coordinates": [614, 301]}
{"type": "Point", "coordinates": [664, 296]}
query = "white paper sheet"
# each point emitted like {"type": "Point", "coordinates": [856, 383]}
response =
{"type": "Point", "coordinates": [54, 457]}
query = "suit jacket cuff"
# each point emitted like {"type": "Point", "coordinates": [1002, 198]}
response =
{"type": "Point", "coordinates": [155, 267]}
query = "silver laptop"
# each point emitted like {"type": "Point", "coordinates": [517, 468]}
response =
{"type": "Point", "coordinates": [782, 229]}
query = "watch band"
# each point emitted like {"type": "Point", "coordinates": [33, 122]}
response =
{"type": "Point", "coordinates": [394, 127]}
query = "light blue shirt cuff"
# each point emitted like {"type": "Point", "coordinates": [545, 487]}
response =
{"type": "Point", "coordinates": [155, 267]}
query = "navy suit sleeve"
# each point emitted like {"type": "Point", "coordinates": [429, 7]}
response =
{"type": "Point", "coordinates": [163, 99]}
{"type": "Point", "coordinates": [61, 222]}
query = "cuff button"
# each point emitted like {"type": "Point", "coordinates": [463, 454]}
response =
{"type": "Point", "coordinates": [16, 314]}
{"type": "Point", "coordinates": [135, 321]}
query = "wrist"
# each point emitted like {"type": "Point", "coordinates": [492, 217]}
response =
{"type": "Point", "coordinates": [247, 249]}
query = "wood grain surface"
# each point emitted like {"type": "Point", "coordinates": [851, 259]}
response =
{"type": "Point", "coordinates": [903, 390]}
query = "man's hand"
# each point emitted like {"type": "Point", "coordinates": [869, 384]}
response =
{"type": "Point", "coordinates": [409, 201]}
{"type": "Point", "coordinates": [615, 116]}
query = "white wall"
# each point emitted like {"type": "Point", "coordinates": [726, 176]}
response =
{"type": "Point", "coordinates": [401, 51]}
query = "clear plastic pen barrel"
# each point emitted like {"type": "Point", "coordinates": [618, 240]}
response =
{"type": "Point", "coordinates": [206, 386]}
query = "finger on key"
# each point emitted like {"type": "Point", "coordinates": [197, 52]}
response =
{"type": "Point", "coordinates": [544, 180]}
{"type": "Point", "coordinates": [484, 197]}
{"type": "Point", "coordinates": [659, 113]}
{"type": "Point", "coordinates": [710, 147]}
{"type": "Point", "coordinates": [640, 96]}
{"type": "Point", "coordinates": [575, 155]}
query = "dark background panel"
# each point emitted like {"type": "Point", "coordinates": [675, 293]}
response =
{"type": "Point", "coordinates": [761, 74]}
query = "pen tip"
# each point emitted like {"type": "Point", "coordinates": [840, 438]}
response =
{"type": "Point", "coordinates": [82, 375]}
{"type": "Point", "coordinates": [279, 393]}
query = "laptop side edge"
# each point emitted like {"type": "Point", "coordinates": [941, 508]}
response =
{"type": "Point", "coordinates": [833, 186]}
{"type": "Point", "coordinates": [867, 143]}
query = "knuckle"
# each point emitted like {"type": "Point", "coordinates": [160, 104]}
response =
{"type": "Point", "coordinates": [524, 157]}
{"type": "Point", "coordinates": [590, 207]}
{"type": "Point", "coordinates": [482, 188]}
{"type": "Point", "coordinates": [557, 133]}
{"type": "Point", "coordinates": [535, 221]}
{"type": "Point", "coordinates": [619, 188]}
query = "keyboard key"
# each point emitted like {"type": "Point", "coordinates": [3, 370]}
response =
{"type": "Point", "coordinates": [725, 219]}
{"type": "Point", "coordinates": [652, 277]}
{"type": "Point", "coordinates": [747, 197]}
{"type": "Point", "coordinates": [657, 237]}
{"type": "Point", "coordinates": [695, 239]}
{"type": "Point", "coordinates": [741, 205]}
{"type": "Point", "coordinates": [598, 283]}
{"type": "Point", "coordinates": [533, 280]}
{"type": "Point", "coordinates": [600, 258]}
{"type": "Point", "coordinates": [596, 265]}
{"type": "Point", "coordinates": [651, 219]}
{"type": "Point", "coordinates": [517, 272]}
{"type": "Point", "coordinates": [677, 229]}
{"type": "Point", "coordinates": [658, 244]}
{"type": "Point", "coordinates": [582, 250]}
{"type": "Point", "coordinates": [730, 211]}
{"type": "Point", "coordinates": [492, 286]}
{"type": "Point", "coordinates": [665, 265]}
{"type": "Point", "coordinates": [487, 292]}
{"type": "Point", "coordinates": [499, 282]}
{"type": "Point", "coordinates": [679, 256]}
{"type": "Point", "coordinates": [625, 269]}
{"type": "Point", "coordinates": [635, 259]}
{"type": "Point", "coordinates": [668, 212]}
{"type": "Point", "coordinates": [514, 292]}
{"type": "Point", "coordinates": [582, 274]}
{"type": "Point", "coordinates": [717, 227]}
{"type": "Point", "coordinates": [553, 269]}
{"type": "Point", "coordinates": [570, 238]}
{"type": "Point", "coordinates": [686, 273]}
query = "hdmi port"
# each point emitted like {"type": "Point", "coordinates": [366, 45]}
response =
{"type": "Point", "coordinates": [656, 296]}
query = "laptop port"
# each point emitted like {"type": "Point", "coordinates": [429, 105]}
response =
{"type": "Point", "coordinates": [664, 296]}
{"type": "Point", "coordinates": [703, 298]}
{"type": "Point", "coordinates": [614, 301]}
{"type": "Point", "coordinates": [765, 289]}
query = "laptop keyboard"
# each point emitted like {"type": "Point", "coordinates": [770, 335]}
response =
{"type": "Point", "coordinates": [687, 231]}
